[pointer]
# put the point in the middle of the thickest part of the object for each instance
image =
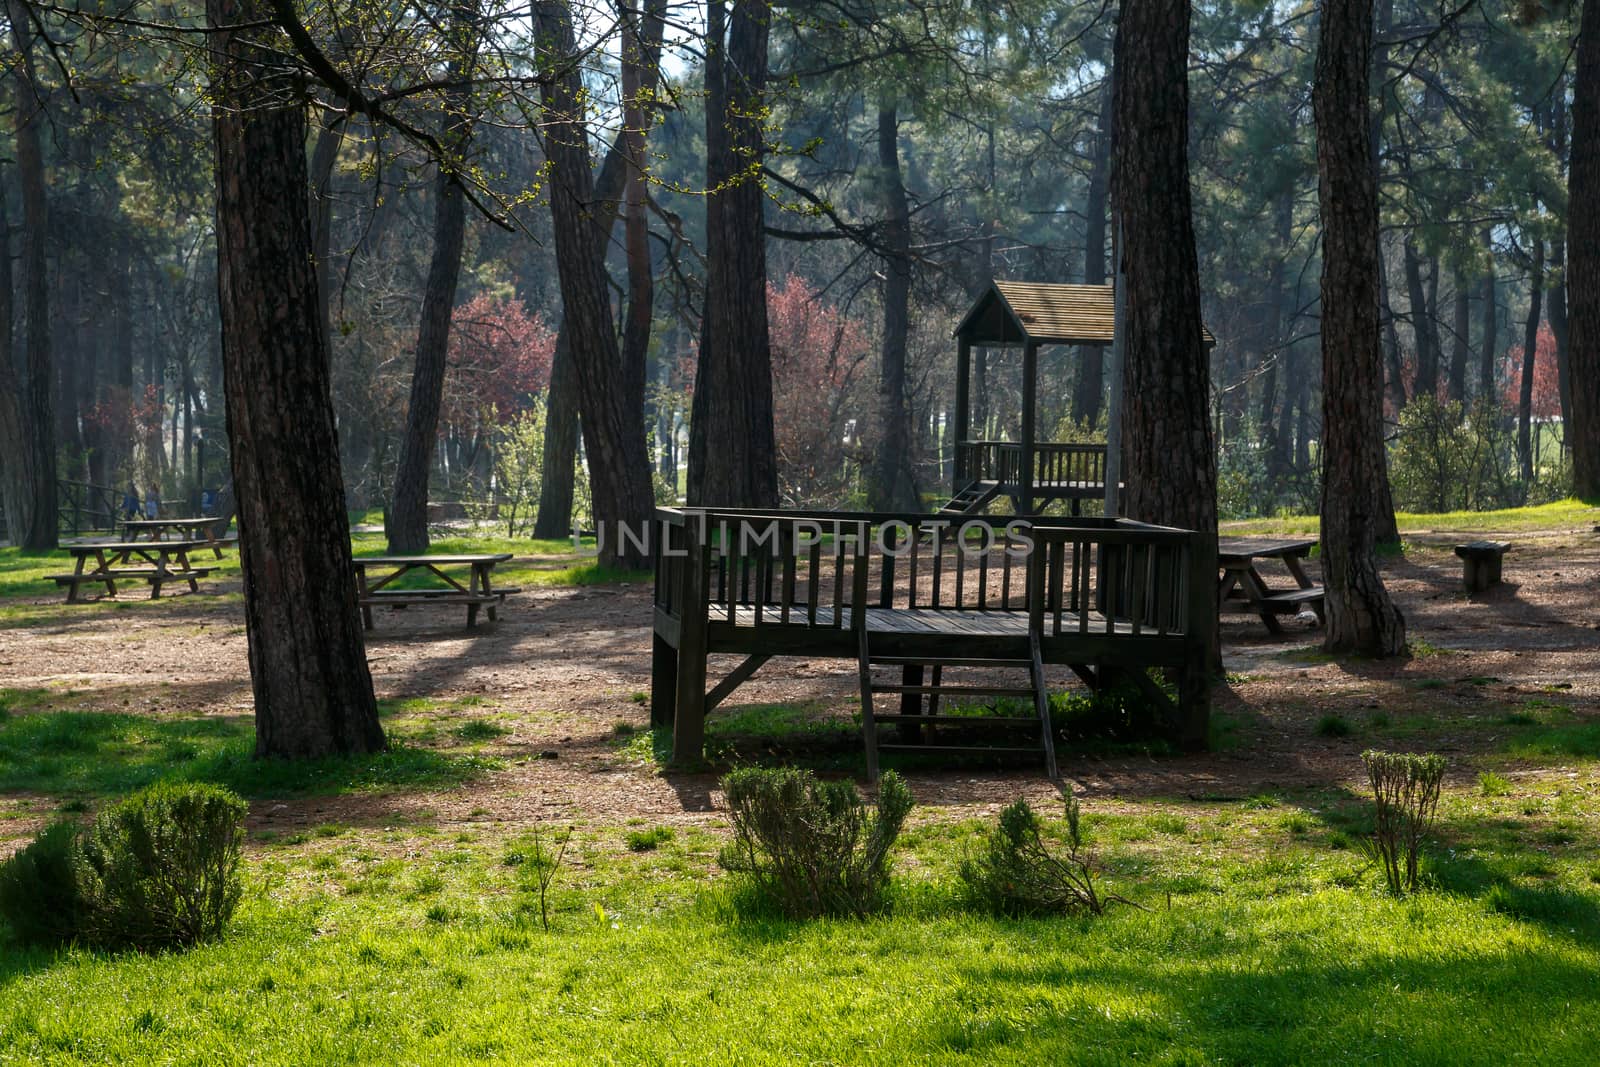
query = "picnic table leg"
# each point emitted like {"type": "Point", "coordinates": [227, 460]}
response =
{"type": "Point", "coordinates": [183, 561]}
{"type": "Point", "coordinates": [480, 585]}
{"type": "Point", "coordinates": [1257, 590]}
{"type": "Point", "coordinates": [1298, 572]}
{"type": "Point", "coordinates": [77, 573]}
{"type": "Point", "coordinates": [366, 605]}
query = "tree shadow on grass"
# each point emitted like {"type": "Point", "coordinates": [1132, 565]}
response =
{"type": "Point", "coordinates": [1286, 1002]}
{"type": "Point", "coordinates": [88, 754]}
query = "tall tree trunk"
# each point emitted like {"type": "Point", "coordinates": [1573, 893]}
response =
{"type": "Point", "coordinates": [308, 665]}
{"type": "Point", "coordinates": [1583, 261]}
{"type": "Point", "coordinates": [893, 483]}
{"type": "Point", "coordinates": [732, 450]}
{"type": "Point", "coordinates": [15, 485]}
{"type": "Point", "coordinates": [1530, 352]}
{"type": "Point", "coordinates": [1170, 467]}
{"type": "Point", "coordinates": [1089, 395]}
{"type": "Point", "coordinates": [33, 527]}
{"type": "Point", "coordinates": [1279, 306]}
{"type": "Point", "coordinates": [1556, 312]}
{"type": "Point", "coordinates": [641, 56]}
{"type": "Point", "coordinates": [1424, 330]}
{"type": "Point", "coordinates": [1394, 379]}
{"type": "Point", "coordinates": [558, 464]}
{"type": "Point", "coordinates": [1361, 617]}
{"type": "Point", "coordinates": [613, 432]}
{"type": "Point", "coordinates": [1488, 349]}
{"type": "Point", "coordinates": [1460, 328]}
{"type": "Point", "coordinates": [323, 157]}
{"type": "Point", "coordinates": [406, 524]}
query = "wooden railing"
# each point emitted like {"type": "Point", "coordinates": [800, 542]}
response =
{"type": "Point", "coordinates": [1001, 461]}
{"type": "Point", "coordinates": [759, 569]}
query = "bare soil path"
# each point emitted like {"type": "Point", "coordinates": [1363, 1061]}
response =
{"type": "Point", "coordinates": [564, 667]}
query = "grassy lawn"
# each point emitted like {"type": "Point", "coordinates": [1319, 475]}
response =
{"type": "Point", "coordinates": [1261, 935]}
{"type": "Point", "coordinates": [1263, 939]}
{"type": "Point", "coordinates": [1562, 515]}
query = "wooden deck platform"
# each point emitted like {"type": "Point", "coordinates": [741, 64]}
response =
{"type": "Point", "coordinates": [1109, 598]}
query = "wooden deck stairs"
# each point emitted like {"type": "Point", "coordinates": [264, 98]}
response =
{"type": "Point", "coordinates": [918, 718]}
{"type": "Point", "coordinates": [972, 499]}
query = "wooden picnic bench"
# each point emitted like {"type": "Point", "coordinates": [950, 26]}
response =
{"type": "Point", "coordinates": [479, 591]}
{"type": "Point", "coordinates": [156, 562]}
{"type": "Point", "coordinates": [1242, 587]}
{"type": "Point", "coordinates": [190, 529]}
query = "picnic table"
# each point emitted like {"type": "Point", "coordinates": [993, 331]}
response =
{"type": "Point", "coordinates": [1243, 588]}
{"type": "Point", "coordinates": [188, 529]}
{"type": "Point", "coordinates": [157, 562]}
{"type": "Point", "coordinates": [478, 592]}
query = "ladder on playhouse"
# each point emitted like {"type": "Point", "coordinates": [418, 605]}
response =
{"type": "Point", "coordinates": [926, 697]}
{"type": "Point", "coordinates": [972, 498]}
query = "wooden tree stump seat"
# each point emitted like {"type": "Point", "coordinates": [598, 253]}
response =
{"type": "Point", "coordinates": [1481, 563]}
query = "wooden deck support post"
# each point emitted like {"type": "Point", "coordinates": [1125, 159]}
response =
{"type": "Point", "coordinates": [689, 719]}
{"type": "Point", "coordinates": [963, 415]}
{"type": "Point", "coordinates": [1030, 396]}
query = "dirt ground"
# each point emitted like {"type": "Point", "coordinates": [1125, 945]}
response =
{"type": "Point", "coordinates": [564, 666]}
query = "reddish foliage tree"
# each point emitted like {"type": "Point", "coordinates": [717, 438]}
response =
{"type": "Point", "coordinates": [816, 353]}
{"type": "Point", "coordinates": [1546, 377]}
{"type": "Point", "coordinates": [499, 355]}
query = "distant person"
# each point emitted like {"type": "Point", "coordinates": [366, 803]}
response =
{"type": "Point", "coordinates": [208, 503]}
{"type": "Point", "coordinates": [130, 502]}
{"type": "Point", "coordinates": [152, 504]}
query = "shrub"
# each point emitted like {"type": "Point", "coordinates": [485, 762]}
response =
{"type": "Point", "coordinates": [1333, 726]}
{"type": "Point", "coordinates": [46, 890]}
{"type": "Point", "coordinates": [167, 863]}
{"type": "Point", "coordinates": [1406, 787]}
{"type": "Point", "coordinates": [1017, 874]}
{"type": "Point", "coordinates": [649, 840]}
{"type": "Point", "coordinates": [809, 846]}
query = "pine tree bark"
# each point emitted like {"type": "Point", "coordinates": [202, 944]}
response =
{"type": "Point", "coordinates": [1170, 462]}
{"type": "Point", "coordinates": [732, 449]}
{"type": "Point", "coordinates": [893, 486]}
{"type": "Point", "coordinates": [613, 432]}
{"type": "Point", "coordinates": [1361, 616]}
{"type": "Point", "coordinates": [1089, 394]}
{"type": "Point", "coordinates": [15, 499]}
{"type": "Point", "coordinates": [1460, 327]}
{"type": "Point", "coordinates": [33, 524]}
{"type": "Point", "coordinates": [558, 464]}
{"type": "Point", "coordinates": [406, 524]}
{"type": "Point", "coordinates": [641, 56]}
{"type": "Point", "coordinates": [1488, 348]}
{"type": "Point", "coordinates": [1424, 331]}
{"type": "Point", "coordinates": [308, 665]}
{"type": "Point", "coordinates": [1530, 352]}
{"type": "Point", "coordinates": [1583, 261]}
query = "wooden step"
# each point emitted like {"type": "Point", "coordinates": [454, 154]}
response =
{"type": "Point", "coordinates": [949, 661]}
{"type": "Point", "coordinates": [965, 750]}
{"type": "Point", "coordinates": [959, 720]}
{"type": "Point", "coordinates": [955, 690]}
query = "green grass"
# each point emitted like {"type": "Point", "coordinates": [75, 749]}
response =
{"type": "Point", "coordinates": [90, 753]}
{"type": "Point", "coordinates": [1263, 942]}
{"type": "Point", "coordinates": [1561, 515]}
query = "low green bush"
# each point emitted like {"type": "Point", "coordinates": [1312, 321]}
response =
{"type": "Point", "coordinates": [166, 861]}
{"type": "Point", "coordinates": [1017, 874]}
{"type": "Point", "coordinates": [1405, 786]}
{"type": "Point", "coordinates": [46, 889]}
{"type": "Point", "coordinates": [809, 847]}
